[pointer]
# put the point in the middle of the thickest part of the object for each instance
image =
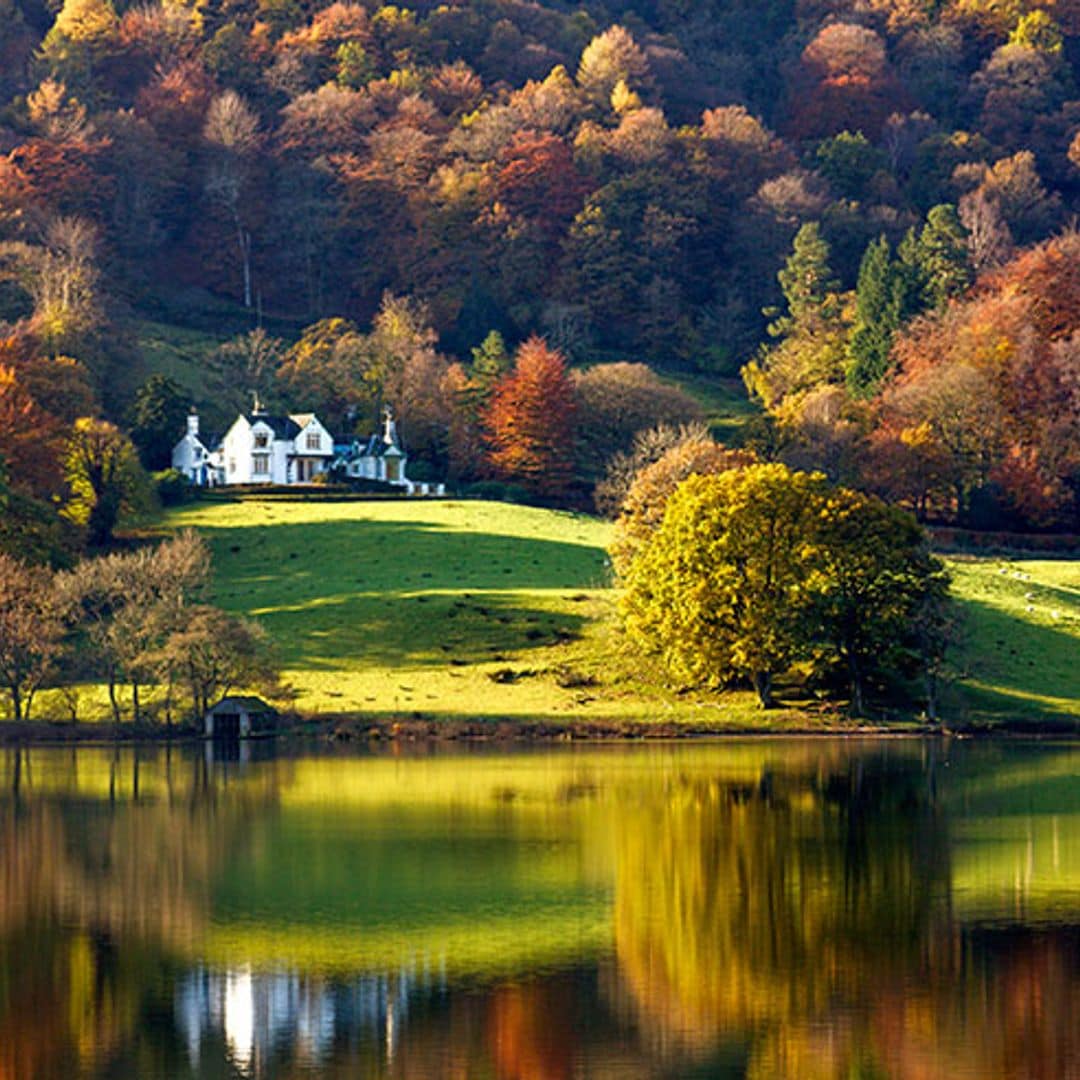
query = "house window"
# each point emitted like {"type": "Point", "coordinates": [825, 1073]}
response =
{"type": "Point", "coordinates": [232, 465]}
{"type": "Point", "coordinates": [262, 441]}
{"type": "Point", "coordinates": [313, 440]}
{"type": "Point", "coordinates": [260, 465]}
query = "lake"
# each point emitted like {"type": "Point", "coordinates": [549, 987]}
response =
{"type": "Point", "coordinates": [772, 908]}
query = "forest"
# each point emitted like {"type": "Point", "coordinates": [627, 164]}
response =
{"type": "Point", "coordinates": [539, 230]}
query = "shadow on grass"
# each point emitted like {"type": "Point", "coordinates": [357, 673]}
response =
{"type": "Point", "coordinates": [393, 593]}
{"type": "Point", "coordinates": [1025, 670]}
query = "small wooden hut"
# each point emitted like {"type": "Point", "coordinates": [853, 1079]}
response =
{"type": "Point", "coordinates": [238, 717]}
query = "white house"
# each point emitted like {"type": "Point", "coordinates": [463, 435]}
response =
{"type": "Point", "coordinates": [191, 457]}
{"type": "Point", "coordinates": [294, 449]}
{"type": "Point", "coordinates": [265, 449]}
{"type": "Point", "coordinates": [257, 449]}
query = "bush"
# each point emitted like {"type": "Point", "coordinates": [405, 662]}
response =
{"type": "Point", "coordinates": [173, 487]}
{"type": "Point", "coordinates": [499, 491]}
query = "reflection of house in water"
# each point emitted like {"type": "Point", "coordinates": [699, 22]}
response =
{"type": "Point", "coordinates": [265, 1018]}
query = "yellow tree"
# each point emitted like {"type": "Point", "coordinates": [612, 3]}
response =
{"type": "Point", "coordinates": [105, 477]}
{"type": "Point", "coordinates": [719, 592]}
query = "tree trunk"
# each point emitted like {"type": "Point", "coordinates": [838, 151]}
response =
{"type": "Point", "coordinates": [931, 693]}
{"type": "Point", "coordinates": [763, 686]}
{"type": "Point", "coordinates": [113, 699]}
{"type": "Point", "coordinates": [244, 239]}
{"type": "Point", "coordinates": [858, 705]}
{"type": "Point", "coordinates": [135, 700]}
{"type": "Point", "coordinates": [16, 701]}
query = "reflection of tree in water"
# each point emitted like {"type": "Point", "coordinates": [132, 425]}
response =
{"type": "Point", "coordinates": [810, 919]}
{"type": "Point", "coordinates": [96, 896]}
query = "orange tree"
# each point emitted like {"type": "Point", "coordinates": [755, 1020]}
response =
{"type": "Point", "coordinates": [529, 422]}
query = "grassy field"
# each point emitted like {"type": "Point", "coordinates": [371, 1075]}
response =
{"type": "Point", "coordinates": [463, 610]}
{"type": "Point", "coordinates": [441, 609]}
{"type": "Point", "coordinates": [1018, 648]}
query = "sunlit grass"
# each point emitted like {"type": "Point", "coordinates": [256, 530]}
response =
{"type": "Point", "coordinates": [1018, 653]}
{"type": "Point", "coordinates": [467, 610]}
{"type": "Point", "coordinates": [449, 609]}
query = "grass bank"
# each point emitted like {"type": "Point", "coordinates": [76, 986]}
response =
{"type": "Point", "coordinates": [450, 610]}
{"type": "Point", "coordinates": [455, 611]}
{"type": "Point", "coordinates": [1017, 655]}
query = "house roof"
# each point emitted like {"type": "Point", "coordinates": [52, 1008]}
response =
{"type": "Point", "coordinates": [283, 427]}
{"type": "Point", "coordinates": [248, 702]}
{"type": "Point", "coordinates": [302, 419]}
{"type": "Point", "coordinates": [371, 446]}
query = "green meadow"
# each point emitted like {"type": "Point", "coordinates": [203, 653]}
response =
{"type": "Point", "coordinates": [1017, 653]}
{"type": "Point", "coordinates": [464, 610]}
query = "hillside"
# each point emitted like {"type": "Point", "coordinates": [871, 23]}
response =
{"type": "Point", "coordinates": [462, 610]}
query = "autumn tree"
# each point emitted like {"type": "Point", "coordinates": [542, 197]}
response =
{"type": "Point", "coordinates": [529, 422]}
{"type": "Point", "coordinates": [718, 594]}
{"type": "Point", "coordinates": [692, 453]}
{"type": "Point", "coordinates": [327, 371]}
{"type": "Point", "coordinates": [30, 439]}
{"type": "Point", "coordinates": [105, 478]}
{"type": "Point", "coordinates": [755, 568]}
{"type": "Point", "coordinates": [610, 58]}
{"type": "Point", "coordinates": [877, 592]}
{"type": "Point", "coordinates": [647, 447]}
{"type": "Point", "coordinates": [84, 32]}
{"type": "Point", "coordinates": [844, 83]}
{"type": "Point", "coordinates": [615, 402]}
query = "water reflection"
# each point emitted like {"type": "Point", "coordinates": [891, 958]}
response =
{"type": "Point", "coordinates": [793, 909]}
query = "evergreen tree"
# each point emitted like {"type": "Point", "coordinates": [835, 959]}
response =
{"type": "Point", "coordinates": [943, 256]}
{"type": "Point", "coordinates": [879, 303]}
{"type": "Point", "coordinates": [157, 420]}
{"type": "Point", "coordinates": [490, 362]}
{"type": "Point", "coordinates": [806, 281]}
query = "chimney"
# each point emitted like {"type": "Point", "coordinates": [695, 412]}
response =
{"type": "Point", "coordinates": [193, 423]}
{"type": "Point", "coordinates": [389, 428]}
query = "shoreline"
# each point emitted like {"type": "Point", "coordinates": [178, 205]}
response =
{"type": "Point", "coordinates": [358, 730]}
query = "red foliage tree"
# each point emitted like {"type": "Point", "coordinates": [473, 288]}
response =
{"type": "Point", "coordinates": [843, 84]}
{"type": "Point", "coordinates": [63, 175]}
{"type": "Point", "coordinates": [30, 440]}
{"type": "Point", "coordinates": [538, 181]}
{"type": "Point", "coordinates": [530, 421]}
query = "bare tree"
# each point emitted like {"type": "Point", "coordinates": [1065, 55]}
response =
{"type": "Point", "coordinates": [61, 275]}
{"type": "Point", "coordinates": [31, 631]}
{"type": "Point", "coordinates": [232, 135]}
{"type": "Point", "coordinates": [214, 652]}
{"type": "Point", "coordinates": [990, 242]}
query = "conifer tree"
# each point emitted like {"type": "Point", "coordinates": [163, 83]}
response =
{"type": "Point", "coordinates": [943, 256]}
{"type": "Point", "coordinates": [806, 280]}
{"type": "Point", "coordinates": [879, 297]}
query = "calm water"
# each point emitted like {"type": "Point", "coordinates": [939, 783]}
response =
{"type": "Point", "coordinates": [772, 909]}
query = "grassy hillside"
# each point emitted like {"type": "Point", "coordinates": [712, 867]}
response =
{"type": "Point", "coordinates": [470, 609]}
{"type": "Point", "coordinates": [450, 609]}
{"type": "Point", "coordinates": [1018, 648]}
